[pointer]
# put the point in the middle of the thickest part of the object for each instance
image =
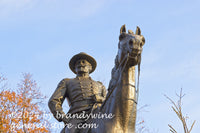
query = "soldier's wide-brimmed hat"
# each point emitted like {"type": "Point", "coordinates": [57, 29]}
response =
{"type": "Point", "coordinates": [79, 56]}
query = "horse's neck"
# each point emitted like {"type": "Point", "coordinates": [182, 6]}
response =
{"type": "Point", "coordinates": [126, 101]}
{"type": "Point", "coordinates": [128, 76]}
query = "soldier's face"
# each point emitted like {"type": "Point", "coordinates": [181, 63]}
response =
{"type": "Point", "coordinates": [82, 66]}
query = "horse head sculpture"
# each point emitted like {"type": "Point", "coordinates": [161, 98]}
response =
{"type": "Point", "coordinates": [130, 45]}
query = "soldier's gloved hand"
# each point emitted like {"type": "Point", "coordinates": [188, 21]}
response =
{"type": "Point", "coordinates": [65, 120]}
{"type": "Point", "coordinates": [97, 99]}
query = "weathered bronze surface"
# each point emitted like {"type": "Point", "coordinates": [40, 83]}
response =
{"type": "Point", "coordinates": [82, 93]}
{"type": "Point", "coordinates": [87, 95]}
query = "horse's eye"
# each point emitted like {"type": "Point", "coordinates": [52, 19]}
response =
{"type": "Point", "coordinates": [143, 40]}
{"type": "Point", "coordinates": [141, 44]}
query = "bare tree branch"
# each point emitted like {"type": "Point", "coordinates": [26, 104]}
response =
{"type": "Point", "coordinates": [177, 108]}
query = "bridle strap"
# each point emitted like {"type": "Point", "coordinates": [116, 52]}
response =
{"type": "Point", "coordinates": [112, 89]}
{"type": "Point", "coordinates": [138, 77]}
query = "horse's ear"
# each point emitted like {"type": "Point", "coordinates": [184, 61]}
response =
{"type": "Point", "coordinates": [138, 31]}
{"type": "Point", "coordinates": [123, 29]}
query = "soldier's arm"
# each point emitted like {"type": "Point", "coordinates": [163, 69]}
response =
{"type": "Point", "coordinates": [57, 99]}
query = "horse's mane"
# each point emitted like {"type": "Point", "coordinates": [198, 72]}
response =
{"type": "Point", "coordinates": [114, 69]}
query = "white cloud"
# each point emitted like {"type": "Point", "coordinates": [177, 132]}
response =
{"type": "Point", "coordinates": [8, 7]}
{"type": "Point", "coordinates": [52, 8]}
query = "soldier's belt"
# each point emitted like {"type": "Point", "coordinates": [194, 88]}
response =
{"type": "Point", "coordinates": [83, 102]}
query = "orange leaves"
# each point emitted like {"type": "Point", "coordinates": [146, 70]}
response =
{"type": "Point", "coordinates": [6, 107]}
{"type": "Point", "coordinates": [20, 111]}
{"type": "Point", "coordinates": [9, 95]}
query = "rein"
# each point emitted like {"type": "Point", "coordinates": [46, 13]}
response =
{"type": "Point", "coordinates": [138, 79]}
{"type": "Point", "coordinates": [125, 59]}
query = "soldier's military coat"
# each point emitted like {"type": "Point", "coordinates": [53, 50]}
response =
{"type": "Point", "coordinates": [80, 92]}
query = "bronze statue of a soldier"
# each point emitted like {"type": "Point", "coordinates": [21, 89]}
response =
{"type": "Point", "coordinates": [82, 93]}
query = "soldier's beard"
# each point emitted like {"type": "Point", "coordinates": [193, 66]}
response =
{"type": "Point", "coordinates": [83, 71]}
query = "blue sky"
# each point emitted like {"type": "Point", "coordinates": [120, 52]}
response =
{"type": "Point", "coordinates": [40, 37]}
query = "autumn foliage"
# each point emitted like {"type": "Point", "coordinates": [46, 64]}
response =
{"type": "Point", "coordinates": [20, 110]}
